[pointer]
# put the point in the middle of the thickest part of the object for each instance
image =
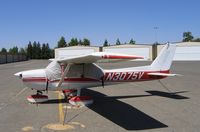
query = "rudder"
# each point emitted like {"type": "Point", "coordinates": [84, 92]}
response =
{"type": "Point", "coordinates": [164, 60]}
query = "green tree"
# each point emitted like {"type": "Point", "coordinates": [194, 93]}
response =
{"type": "Point", "coordinates": [48, 51]}
{"type": "Point", "coordinates": [38, 51]}
{"type": "Point", "coordinates": [34, 50]}
{"type": "Point", "coordinates": [132, 41]}
{"type": "Point", "coordinates": [45, 51]}
{"type": "Point", "coordinates": [62, 42]}
{"type": "Point", "coordinates": [22, 51]}
{"type": "Point", "coordinates": [3, 51]}
{"type": "Point", "coordinates": [52, 53]}
{"type": "Point", "coordinates": [187, 36]}
{"type": "Point", "coordinates": [105, 43]}
{"type": "Point", "coordinates": [118, 42]}
{"type": "Point", "coordinates": [80, 42]}
{"type": "Point", "coordinates": [196, 40]}
{"type": "Point", "coordinates": [73, 42]}
{"type": "Point", "coordinates": [13, 50]}
{"type": "Point", "coordinates": [29, 50]}
{"type": "Point", "coordinates": [86, 42]}
{"type": "Point", "coordinates": [43, 54]}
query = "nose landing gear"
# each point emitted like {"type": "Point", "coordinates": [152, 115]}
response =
{"type": "Point", "coordinates": [37, 98]}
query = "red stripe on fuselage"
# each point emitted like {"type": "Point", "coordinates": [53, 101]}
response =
{"type": "Point", "coordinates": [77, 80]}
{"type": "Point", "coordinates": [108, 77]}
{"type": "Point", "coordinates": [34, 79]}
{"type": "Point", "coordinates": [43, 79]}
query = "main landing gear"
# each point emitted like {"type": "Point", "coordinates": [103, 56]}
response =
{"type": "Point", "coordinates": [76, 99]}
{"type": "Point", "coordinates": [37, 98]}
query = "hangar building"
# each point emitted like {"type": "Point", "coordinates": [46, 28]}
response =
{"type": "Point", "coordinates": [74, 50]}
{"type": "Point", "coordinates": [185, 50]}
{"type": "Point", "coordinates": [189, 51]}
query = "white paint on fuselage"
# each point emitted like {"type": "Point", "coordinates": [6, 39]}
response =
{"type": "Point", "coordinates": [31, 74]}
{"type": "Point", "coordinates": [52, 86]}
{"type": "Point", "coordinates": [39, 76]}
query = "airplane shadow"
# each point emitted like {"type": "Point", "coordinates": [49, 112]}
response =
{"type": "Point", "coordinates": [173, 95]}
{"type": "Point", "coordinates": [122, 114]}
{"type": "Point", "coordinates": [55, 101]}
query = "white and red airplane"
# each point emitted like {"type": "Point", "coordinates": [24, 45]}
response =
{"type": "Point", "coordinates": [75, 73]}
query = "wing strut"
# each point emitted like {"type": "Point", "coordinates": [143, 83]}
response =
{"type": "Point", "coordinates": [64, 74]}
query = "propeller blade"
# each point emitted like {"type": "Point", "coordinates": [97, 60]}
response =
{"type": "Point", "coordinates": [102, 81]}
{"type": "Point", "coordinates": [47, 85]}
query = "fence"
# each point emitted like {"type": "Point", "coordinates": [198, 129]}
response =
{"type": "Point", "coordinates": [8, 58]}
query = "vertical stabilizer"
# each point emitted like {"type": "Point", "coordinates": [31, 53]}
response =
{"type": "Point", "coordinates": [164, 60]}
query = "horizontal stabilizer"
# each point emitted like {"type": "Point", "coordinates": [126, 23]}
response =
{"type": "Point", "coordinates": [163, 74]}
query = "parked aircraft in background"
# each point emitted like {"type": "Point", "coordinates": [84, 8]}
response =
{"type": "Point", "coordinates": [71, 74]}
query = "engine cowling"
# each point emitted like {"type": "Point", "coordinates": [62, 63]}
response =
{"type": "Point", "coordinates": [35, 79]}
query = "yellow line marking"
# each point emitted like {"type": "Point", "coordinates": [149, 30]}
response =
{"type": "Point", "coordinates": [27, 128]}
{"type": "Point", "coordinates": [60, 108]}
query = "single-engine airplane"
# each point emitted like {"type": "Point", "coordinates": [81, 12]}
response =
{"type": "Point", "coordinates": [71, 74]}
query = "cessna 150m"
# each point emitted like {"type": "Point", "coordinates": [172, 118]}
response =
{"type": "Point", "coordinates": [78, 72]}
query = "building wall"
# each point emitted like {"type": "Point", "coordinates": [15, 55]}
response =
{"type": "Point", "coordinates": [185, 50]}
{"type": "Point", "coordinates": [8, 58]}
{"type": "Point", "coordinates": [74, 51]}
{"type": "Point", "coordinates": [189, 51]}
{"type": "Point", "coordinates": [3, 58]}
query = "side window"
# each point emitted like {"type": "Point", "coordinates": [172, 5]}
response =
{"type": "Point", "coordinates": [75, 71]}
{"type": "Point", "coordinates": [85, 71]}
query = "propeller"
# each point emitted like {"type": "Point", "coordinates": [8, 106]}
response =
{"type": "Point", "coordinates": [102, 81]}
{"type": "Point", "coordinates": [47, 85]}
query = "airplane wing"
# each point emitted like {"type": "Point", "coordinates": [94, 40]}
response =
{"type": "Point", "coordinates": [97, 57]}
{"type": "Point", "coordinates": [53, 74]}
{"type": "Point", "coordinates": [163, 74]}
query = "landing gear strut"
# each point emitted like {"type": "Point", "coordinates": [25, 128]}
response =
{"type": "Point", "coordinates": [39, 92]}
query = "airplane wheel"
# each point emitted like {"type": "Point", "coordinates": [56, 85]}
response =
{"type": "Point", "coordinates": [70, 92]}
{"type": "Point", "coordinates": [37, 98]}
{"type": "Point", "coordinates": [81, 100]}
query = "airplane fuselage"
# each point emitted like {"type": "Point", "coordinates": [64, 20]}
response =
{"type": "Point", "coordinates": [78, 72]}
{"type": "Point", "coordinates": [36, 79]}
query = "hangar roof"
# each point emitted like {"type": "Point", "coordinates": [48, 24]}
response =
{"type": "Point", "coordinates": [128, 46]}
{"type": "Point", "coordinates": [78, 47]}
{"type": "Point", "coordinates": [188, 43]}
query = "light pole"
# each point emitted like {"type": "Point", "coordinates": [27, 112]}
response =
{"type": "Point", "coordinates": [156, 34]}
{"type": "Point", "coordinates": [154, 47]}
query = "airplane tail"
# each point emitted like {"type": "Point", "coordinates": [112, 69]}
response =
{"type": "Point", "coordinates": [164, 60]}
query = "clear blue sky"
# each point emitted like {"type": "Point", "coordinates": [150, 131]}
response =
{"type": "Point", "coordinates": [22, 21]}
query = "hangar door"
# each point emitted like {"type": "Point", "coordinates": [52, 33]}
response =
{"type": "Point", "coordinates": [73, 52]}
{"type": "Point", "coordinates": [131, 51]}
{"type": "Point", "coordinates": [187, 53]}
